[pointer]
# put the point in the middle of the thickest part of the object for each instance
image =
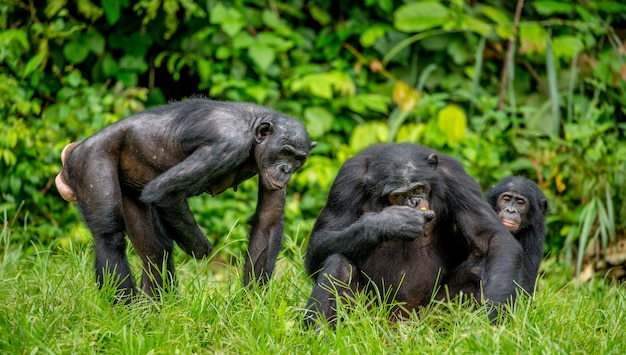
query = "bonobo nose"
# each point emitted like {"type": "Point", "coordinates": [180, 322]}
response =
{"type": "Point", "coordinates": [286, 168]}
{"type": "Point", "coordinates": [510, 209]}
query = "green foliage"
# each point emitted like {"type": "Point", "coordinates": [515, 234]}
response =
{"type": "Point", "coordinates": [420, 71]}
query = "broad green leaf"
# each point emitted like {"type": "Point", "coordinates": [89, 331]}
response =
{"type": "Point", "coordinates": [262, 55]}
{"type": "Point", "coordinates": [242, 40]}
{"type": "Point", "coordinates": [134, 63]}
{"type": "Point", "coordinates": [496, 15]}
{"type": "Point", "coordinates": [320, 15]}
{"type": "Point", "coordinates": [611, 6]}
{"type": "Point", "coordinates": [367, 134]}
{"type": "Point", "coordinates": [222, 52]}
{"type": "Point", "coordinates": [75, 52]}
{"type": "Point", "coordinates": [53, 6]}
{"type": "Point", "coordinates": [112, 10]}
{"type": "Point", "coordinates": [459, 53]}
{"type": "Point", "coordinates": [453, 122]}
{"type": "Point", "coordinates": [410, 132]}
{"type": "Point", "coordinates": [362, 102]}
{"type": "Point", "coordinates": [319, 120]}
{"type": "Point", "coordinates": [325, 84]}
{"type": "Point", "coordinates": [370, 35]}
{"type": "Point", "coordinates": [547, 8]}
{"type": "Point", "coordinates": [73, 78]}
{"type": "Point", "coordinates": [567, 46]}
{"type": "Point", "coordinates": [109, 65]}
{"type": "Point", "coordinates": [230, 19]}
{"type": "Point", "coordinates": [420, 16]}
{"type": "Point", "coordinates": [32, 64]}
{"type": "Point", "coordinates": [232, 27]}
{"type": "Point", "coordinates": [89, 9]}
{"type": "Point", "coordinates": [477, 26]}
{"type": "Point", "coordinates": [204, 70]}
{"type": "Point", "coordinates": [405, 96]}
{"type": "Point", "coordinates": [533, 39]}
{"type": "Point", "coordinates": [217, 14]}
{"type": "Point", "coordinates": [95, 41]}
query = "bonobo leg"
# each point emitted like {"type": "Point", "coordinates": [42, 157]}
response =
{"type": "Point", "coordinates": [466, 278]}
{"type": "Point", "coordinates": [180, 225]}
{"type": "Point", "coordinates": [338, 277]}
{"type": "Point", "coordinates": [148, 237]}
{"type": "Point", "coordinates": [100, 201]}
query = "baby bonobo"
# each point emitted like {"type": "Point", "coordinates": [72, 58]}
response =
{"type": "Point", "coordinates": [134, 178]}
{"type": "Point", "coordinates": [521, 206]}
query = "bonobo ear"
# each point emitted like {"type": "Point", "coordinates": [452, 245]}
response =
{"type": "Point", "coordinates": [263, 130]}
{"type": "Point", "coordinates": [313, 144]}
{"type": "Point", "coordinates": [544, 206]}
{"type": "Point", "coordinates": [433, 161]}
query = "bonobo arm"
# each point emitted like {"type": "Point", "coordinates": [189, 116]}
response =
{"type": "Point", "coordinates": [191, 176]}
{"type": "Point", "coordinates": [502, 253]}
{"type": "Point", "coordinates": [358, 238]}
{"type": "Point", "coordinates": [265, 235]}
{"type": "Point", "coordinates": [169, 191]}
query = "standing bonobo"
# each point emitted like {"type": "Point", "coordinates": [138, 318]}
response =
{"type": "Point", "coordinates": [521, 206]}
{"type": "Point", "coordinates": [135, 176]}
{"type": "Point", "coordinates": [400, 217]}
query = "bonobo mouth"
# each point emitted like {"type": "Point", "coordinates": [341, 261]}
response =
{"type": "Point", "coordinates": [273, 184]}
{"type": "Point", "coordinates": [511, 226]}
{"type": "Point", "coordinates": [276, 186]}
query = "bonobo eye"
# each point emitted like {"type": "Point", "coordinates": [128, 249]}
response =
{"type": "Point", "coordinates": [521, 203]}
{"type": "Point", "coordinates": [506, 198]}
{"type": "Point", "coordinates": [396, 198]}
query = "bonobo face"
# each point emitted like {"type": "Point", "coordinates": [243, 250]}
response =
{"type": "Point", "coordinates": [512, 209]}
{"type": "Point", "coordinates": [281, 150]}
{"type": "Point", "coordinates": [414, 196]}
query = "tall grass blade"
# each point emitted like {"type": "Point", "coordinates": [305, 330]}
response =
{"type": "Point", "coordinates": [552, 84]}
{"type": "Point", "coordinates": [588, 216]}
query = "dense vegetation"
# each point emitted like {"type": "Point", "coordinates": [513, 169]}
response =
{"type": "Point", "coordinates": [540, 95]}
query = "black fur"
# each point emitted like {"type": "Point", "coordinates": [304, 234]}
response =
{"type": "Point", "coordinates": [515, 200]}
{"type": "Point", "coordinates": [361, 237]}
{"type": "Point", "coordinates": [135, 176]}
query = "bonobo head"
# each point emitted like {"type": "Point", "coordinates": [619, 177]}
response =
{"type": "Point", "coordinates": [282, 146]}
{"type": "Point", "coordinates": [517, 201]}
{"type": "Point", "coordinates": [402, 178]}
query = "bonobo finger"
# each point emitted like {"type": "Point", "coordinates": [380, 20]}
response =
{"type": "Point", "coordinates": [428, 215]}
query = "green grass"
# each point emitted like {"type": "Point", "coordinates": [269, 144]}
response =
{"type": "Point", "coordinates": [51, 305]}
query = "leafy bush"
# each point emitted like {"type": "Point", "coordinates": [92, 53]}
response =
{"type": "Point", "coordinates": [427, 72]}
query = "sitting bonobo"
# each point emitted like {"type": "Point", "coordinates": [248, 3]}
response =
{"type": "Point", "coordinates": [399, 218]}
{"type": "Point", "coordinates": [134, 178]}
{"type": "Point", "coordinates": [522, 207]}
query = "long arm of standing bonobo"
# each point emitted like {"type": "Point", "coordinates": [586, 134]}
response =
{"type": "Point", "coordinates": [168, 194]}
{"type": "Point", "coordinates": [191, 176]}
{"type": "Point", "coordinates": [266, 235]}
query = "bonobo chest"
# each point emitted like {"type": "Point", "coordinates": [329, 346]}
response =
{"type": "Point", "coordinates": [224, 182]}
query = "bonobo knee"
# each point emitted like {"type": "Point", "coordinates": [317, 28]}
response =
{"type": "Point", "coordinates": [203, 251]}
{"type": "Point", "coordinates": [339, 266]}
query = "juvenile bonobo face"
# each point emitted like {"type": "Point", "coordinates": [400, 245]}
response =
{"type": "Point", "coordinates": [281, 150]}
{"type": "Point", "coordinates": [414, 196]}
{"type": "Point", "coordinates": [512, 209]}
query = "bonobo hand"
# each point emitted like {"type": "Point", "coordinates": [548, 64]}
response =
{"type": "Point", "coordinates": [403, 223]}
